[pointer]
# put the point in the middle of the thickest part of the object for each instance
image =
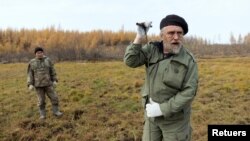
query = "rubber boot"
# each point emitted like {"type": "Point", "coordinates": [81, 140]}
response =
{"type": "Point", "coordinates": [42, 114]}
{"type": "Point", "coordinates": [56, 111]}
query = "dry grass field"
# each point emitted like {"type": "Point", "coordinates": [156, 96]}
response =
{"type": "Point", "coordinates": [101, 101]}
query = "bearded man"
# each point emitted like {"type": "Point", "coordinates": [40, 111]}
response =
{"type": "Point", "coordinates": [171, 80]}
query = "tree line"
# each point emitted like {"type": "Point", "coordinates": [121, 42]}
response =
{"type": "Point", "coordinates": [65, 45]}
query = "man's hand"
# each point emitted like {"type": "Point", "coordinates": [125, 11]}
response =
{"type": "Point", "coordinates": [54, 84]}
{"type": "Point", "coordinates": [143, 28]}
{"type": "Point", "coordinates": [153, 109]}
{"type": "Point", "coordinates": [31, 87]}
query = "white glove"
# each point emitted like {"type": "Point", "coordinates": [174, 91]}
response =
{"type": "Point", "coordinates": [31, 87]}
{"type": "Point", "coordinates": [153, 109]}
{"type": "Point", "coordinates": [54, 84]}
{"type": "Point", "coordinates": [142, 28]}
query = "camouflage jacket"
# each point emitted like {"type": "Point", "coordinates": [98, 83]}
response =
{"type": "Point", "coordinates": [41, 72]}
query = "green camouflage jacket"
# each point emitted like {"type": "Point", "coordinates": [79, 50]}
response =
{"type": "Point", "coordinates": [41, 72]}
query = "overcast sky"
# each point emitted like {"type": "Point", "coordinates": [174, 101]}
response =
{"type": "Point", "coordinates": [214, 20]}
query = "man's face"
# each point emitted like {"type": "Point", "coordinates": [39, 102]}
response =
{"type": "Point", "coordinates": [39, 54]}
{"type": "Point", "coordinates": [172, 37]}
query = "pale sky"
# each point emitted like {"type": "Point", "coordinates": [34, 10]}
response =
{"type": "Point", "coordinates": [214, 20]}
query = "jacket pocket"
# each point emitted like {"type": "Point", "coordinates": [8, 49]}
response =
{"type": "Point", "coordinates": [174, 75]}
{"type": "Point", "coordinates": [176, 116]}
{"type": "Point", "coordinates": [185, 135]}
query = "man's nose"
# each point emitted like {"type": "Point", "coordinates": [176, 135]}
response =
{"type": "Point", "coordinates": [176, 36]}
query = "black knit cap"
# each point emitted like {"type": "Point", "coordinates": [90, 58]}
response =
{"type": "Point", "coordinates": [174, 20]}
{"type": "Point", "coordinates": [38, 49]}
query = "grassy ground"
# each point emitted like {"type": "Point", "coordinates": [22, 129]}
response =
{"type": "Point", "coordinates": [101, 101]}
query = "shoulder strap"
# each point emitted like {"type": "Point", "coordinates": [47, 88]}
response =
{"type": "Point", "coordinates": [160, 47]}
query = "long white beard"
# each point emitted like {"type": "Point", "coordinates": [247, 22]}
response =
{"type": "Point", "coordinates": [175, 49]}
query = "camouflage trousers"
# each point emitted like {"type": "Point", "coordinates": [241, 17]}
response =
{"type": "Point", "coordinates": [157, 131]}
{"type": "Point", "coordinates": [41, 95]}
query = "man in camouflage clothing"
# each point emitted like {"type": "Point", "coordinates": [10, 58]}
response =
{"type": "Point", "coordinates": [171, 83]}
{"type": "Point", "coordinates": [42, 78]}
